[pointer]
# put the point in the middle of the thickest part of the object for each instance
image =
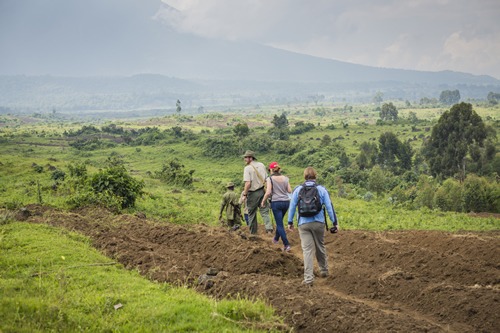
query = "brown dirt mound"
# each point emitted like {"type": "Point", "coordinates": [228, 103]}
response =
{"type": "Point", "coordinates": [405, 281]}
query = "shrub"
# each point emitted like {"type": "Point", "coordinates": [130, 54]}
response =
{"type": "Point", "coordinates": [115, 181]}
{"type": "Point", "coordinates": [448, 197]}
{"type": "Point", "coordinates": [220, 147]}
{"type": "Point", "coordinates": [173, 172]}
{"type": "Point", "coordinates": [481, 196]}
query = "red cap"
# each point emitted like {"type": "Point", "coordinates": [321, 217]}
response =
{"type": "Point", "coordinates": [273, 165]}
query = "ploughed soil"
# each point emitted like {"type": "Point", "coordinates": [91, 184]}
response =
{"type": "Point", "coordinates": [394, 281]}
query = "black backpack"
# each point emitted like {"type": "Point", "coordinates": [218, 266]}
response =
{"type": "Point", "coordinates": [309, 203]}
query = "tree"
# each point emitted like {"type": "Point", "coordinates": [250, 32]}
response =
{"type": "Point", "coordinates": [389, 112]}
{"type": "Point", "coordinates": [394, 155]}
{"type": "Point", "coordinates": [280, 131]}
{"type": "Point", "coordinates": [449, 97]}
{"type": "Point", "coordinates": [452, 138]}
{"type": "Point", "coordinates": [493, 98]}
{"type": "Point", "coordinates": [367, 156]}
{"type": "Point", "coordinates": [377, 180]}
{"type": "Point", "coordinates": [378, 98]}
{"type": "Point", "coordinates": [178, 107]}
{"type": "Point", "coordinates": [241, 130]}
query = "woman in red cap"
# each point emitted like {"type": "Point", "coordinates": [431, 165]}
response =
{"type": "Point", "coordinates": [278, 188]}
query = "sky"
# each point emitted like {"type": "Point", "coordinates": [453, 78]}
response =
{"type": "Point", "coordinates": [434, 35]}
{"type": "Point", "coordinates": [428, 35]}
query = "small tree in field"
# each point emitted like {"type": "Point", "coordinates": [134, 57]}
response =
{"type": "Point", "coordinates": [178, 107]}
{"type": "Point", "coordinates": [452, 139]}
{"type": "Point", "coordinates": [241, 130]}
{"type": "Point", "coordinates": [389, 112]}
{"type": "Point", "coordinates": [376, 180]}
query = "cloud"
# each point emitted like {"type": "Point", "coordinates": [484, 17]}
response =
{"type": "Point", "coordinates": [459, 35]}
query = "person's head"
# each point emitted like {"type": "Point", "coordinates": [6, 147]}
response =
{"type": "Point", "coordinates": [230, 186]}
{"type": "Point", "coordinates": [310, 173]}
{"type": "Point", "coordinates": [274, 167]}
{"type": "Point", "coordinates": [249, 156]}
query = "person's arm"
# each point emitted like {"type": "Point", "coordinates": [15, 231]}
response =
{"type": "Point", "coordinates": [243, 198]}
{"type": "Point", "coordinates": [292, 207]}
{"type": "Point", "coordinates": [329, 207]}
{"type": "Point", "coordinates": [247, 187]}
{"type": "Point", "coordinates": [222, 205]}
{"type": "Point", "coordinates": [269, 190]}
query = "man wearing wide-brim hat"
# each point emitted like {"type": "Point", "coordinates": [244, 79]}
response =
{"type": "Point", "coordinates": [254, 176]}
{"type": "Point", "coordinates": [230, 202]}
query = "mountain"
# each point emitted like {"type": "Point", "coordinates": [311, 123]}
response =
{"type": "Point", "coordinates": [127, 37]}
{"type": "Point", "coordinates": [117, 54]}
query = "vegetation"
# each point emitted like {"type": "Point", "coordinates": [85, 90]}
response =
{"type": "Point", "coordinates": [136, 165]}
{"type": "Point", "coordinates": [405, 172]}
{"type": "Point", "coordinates": [458, 138]}
{"type": "Point", "coordinates": [67, 286]}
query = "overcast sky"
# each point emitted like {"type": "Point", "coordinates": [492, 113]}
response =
{"type": "Point", "coordinates": [459, 35]}
{"type": "Point", "coordinates": [39, 36]}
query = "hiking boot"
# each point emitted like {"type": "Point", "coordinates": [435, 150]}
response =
{"type": "Point", "coordinates": [323, 274]}
{"type": "Point", "coordinates": [287, 248]}
{"type": "Point", "coordinates": [275, 241]}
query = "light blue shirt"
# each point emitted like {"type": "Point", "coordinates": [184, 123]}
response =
{"type": "Point", "coordinates": [320, 217]}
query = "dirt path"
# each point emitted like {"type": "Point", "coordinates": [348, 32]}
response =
{"type": "Point", "coordinates": [410, 281]}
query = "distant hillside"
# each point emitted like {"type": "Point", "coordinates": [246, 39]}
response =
{"type": "Point", "coordinates": [27, 94]}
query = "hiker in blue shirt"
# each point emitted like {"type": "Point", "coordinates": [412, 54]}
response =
{"type": "Point", "coordinates": [312, 228]}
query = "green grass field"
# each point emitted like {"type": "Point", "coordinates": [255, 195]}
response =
{"type": "Point", "coordinates": [66, 286]}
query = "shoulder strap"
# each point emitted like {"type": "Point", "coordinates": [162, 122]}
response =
{"type": "Point", "coordinates": [258, 174]}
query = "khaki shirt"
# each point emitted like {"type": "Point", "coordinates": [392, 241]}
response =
{"type": "Point", "coordinates": [250, 175]}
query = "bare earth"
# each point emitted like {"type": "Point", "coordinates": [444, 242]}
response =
{"type": "Point", "coordinates": [401, 281]}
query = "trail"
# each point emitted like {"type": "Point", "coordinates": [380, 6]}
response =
{"type": "Point", "coordinates": [405, 281]}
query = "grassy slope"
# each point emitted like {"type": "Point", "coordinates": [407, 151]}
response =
{"type": "Point", "coordinates": [19, 182]}
{"type": "Point", "coordinates": [67, 286]}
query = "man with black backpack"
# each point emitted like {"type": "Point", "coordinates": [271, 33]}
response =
{"type": "Point", "coordinates": [311, 201]}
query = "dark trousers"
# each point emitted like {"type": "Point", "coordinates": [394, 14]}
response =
{"type": "Point", "coordinates": [253, 202]}
{"type": "Point", "coordinates": [279, 210]}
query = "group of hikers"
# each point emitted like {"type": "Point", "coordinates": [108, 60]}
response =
{"type": "Point", "coordinates": [309, 200]}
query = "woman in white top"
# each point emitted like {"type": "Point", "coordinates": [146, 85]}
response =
{"type": "Point", "coordinates": [278, 188]}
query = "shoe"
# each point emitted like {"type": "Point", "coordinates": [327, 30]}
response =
{"type": "Point", "coordinates": [270, 231]}
{"type": "Point", "coordinates": [307, 284]}
{"type": "Point", "coordinates": [323, 274]}
{"type": "Point", "coordinates": [275, 241]}
{"type": "Point", "coordinates": [287, 248]}
{"type": "Point", "coordinates": [235, 227]}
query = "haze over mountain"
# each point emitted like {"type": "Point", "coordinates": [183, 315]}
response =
{"type": "Point", "coordinates": [120, 38]}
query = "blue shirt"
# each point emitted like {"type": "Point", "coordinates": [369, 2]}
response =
{"type": "Point", "coordinates": [320, 217]}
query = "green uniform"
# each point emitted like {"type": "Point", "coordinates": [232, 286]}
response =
{"type": "Point", "coordinates": [229, 201]}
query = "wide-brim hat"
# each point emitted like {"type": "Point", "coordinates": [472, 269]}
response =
{"type": "Point", "coordinates": [230, 184]}
{"type": "Point", "coordinates": [250, 153]}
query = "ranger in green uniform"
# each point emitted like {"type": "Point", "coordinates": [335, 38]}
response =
{"type": "Point", "coordinates": [230, 202]}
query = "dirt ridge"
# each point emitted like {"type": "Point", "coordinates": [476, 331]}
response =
{"type": "Point", "coordinates": [397, 281]}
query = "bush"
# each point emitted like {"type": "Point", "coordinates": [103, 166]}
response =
{"type": "Point", "coordinates": [448, 197]}
{"type": "Point", "coordinates": [115, 181]}
{"type": "Point", "coordinates": [220, 147]}
{"type": "Point", "coordinates": [481, 196]}
{"type": "Point", "coordinates": [173, 172]}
